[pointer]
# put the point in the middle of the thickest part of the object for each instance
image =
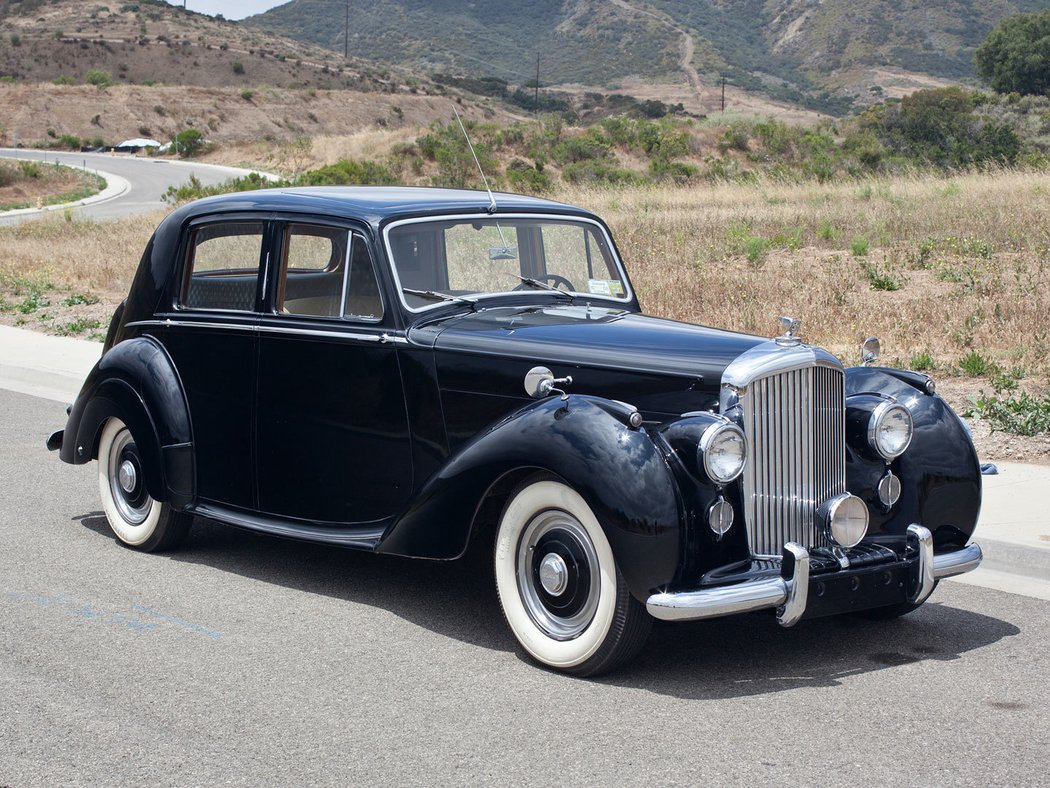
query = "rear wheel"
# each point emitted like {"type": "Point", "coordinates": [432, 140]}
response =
{"type": "Point", "coordinates": [136, 518]}
{"type": "Point", "coordinates": [558, 583]}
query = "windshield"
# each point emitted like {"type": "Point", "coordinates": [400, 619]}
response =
{"type": "Point", "coordinates": [463, 259]}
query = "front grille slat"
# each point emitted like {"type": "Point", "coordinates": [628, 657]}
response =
{"type": "Point", "coordinates": [795, 424]}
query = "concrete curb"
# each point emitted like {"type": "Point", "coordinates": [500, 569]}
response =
{"type": "Point", "coordinates": [116, 186]}
{"type": "Point", "coordinates": [1015, 558]}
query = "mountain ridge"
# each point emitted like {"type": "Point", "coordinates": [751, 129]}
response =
{"type": "Point", "coordinates": [814, 52]}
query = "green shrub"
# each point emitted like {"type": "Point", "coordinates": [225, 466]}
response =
{"type": "Point", "coordinates": [70, 141]}
{"type": "Point", "coordinates": [882, 281]}
{"type": "Point", "coordinates": [193, 189]}
{"type": "Point", "coordinates": [755, 249]}
{"type": "Point", "coordinates": [921, 362]}
{"type": "Point", "coordinates": [975, 365]}
{"type": "Point", "coordinates": [527, 177]}
{"type": "Point", "coordinates": [859, 247]}
{"type": "Point", "coordinates": [348, 172]}
{"type": "Point", "coordinates": [238, 67]}
{"type": "Point", "coordinates": [585, 147]}
{"type": "Point", "coordinates": [1018, 414]}
{"type": "Point", "coordinates": [99, 78]}
{"type": "Point", "coordinates": [62, 79]}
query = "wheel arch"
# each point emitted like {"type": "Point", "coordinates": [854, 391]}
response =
{"type": "Point", "coordinates": [136, 382]}
{"type": "Point", "coordinates": [619, 471]}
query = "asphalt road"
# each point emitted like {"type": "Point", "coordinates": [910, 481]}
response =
{"type": "Point", "coordinates": [247, 660]}
{"type": "Point", "coordinates": [147, 178]}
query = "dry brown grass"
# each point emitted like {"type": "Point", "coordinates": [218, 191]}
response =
{"type": "Point", "coordinates": [983, 284]}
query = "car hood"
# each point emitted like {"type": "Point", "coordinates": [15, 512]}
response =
{"type": "Point", "coordinates": [595, 337]}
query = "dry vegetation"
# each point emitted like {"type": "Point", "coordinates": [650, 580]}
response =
{"type": "Point", "coordinates": [938, 268]}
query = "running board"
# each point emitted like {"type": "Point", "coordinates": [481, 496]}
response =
{"type": "Point", "coordinates": [365, 537]}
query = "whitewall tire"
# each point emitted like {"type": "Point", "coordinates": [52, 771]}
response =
{"type": "Point", "coordinates": [558, 583]}
{"type": "Point", "coordinates": [136, 518]}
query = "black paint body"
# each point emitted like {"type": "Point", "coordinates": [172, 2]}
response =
{"type": "Point", "coordinates": [404, 435]}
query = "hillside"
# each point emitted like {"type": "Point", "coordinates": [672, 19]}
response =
{"type": "Point", "coordinates": [164, 69]}
{"type": "Point", "coordinates": [822, 53]}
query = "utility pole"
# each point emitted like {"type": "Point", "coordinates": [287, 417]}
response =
{"type": "Point", "coordinates": [346, 31]}
{"type": "Point", "coordinates": [723, 91]}
{"type": "Point", "coordinates": [537, 86]}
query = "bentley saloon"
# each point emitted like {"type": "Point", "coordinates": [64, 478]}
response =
{"type": "Point", "coordinates": [406, 371]}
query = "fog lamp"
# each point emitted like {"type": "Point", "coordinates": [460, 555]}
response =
{"type": "Point", "coordinates": [844, 519]}
{"type": "Point", "coordinates": [720, 516]}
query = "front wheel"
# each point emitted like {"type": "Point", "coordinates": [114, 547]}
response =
{"type": "Point", "coordinates": [558, 583]}
{"type": "Point", "coordinates": [136, 518]}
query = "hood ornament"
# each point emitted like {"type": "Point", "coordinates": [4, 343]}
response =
{"type": "Point", "coordinates": [790, 335]}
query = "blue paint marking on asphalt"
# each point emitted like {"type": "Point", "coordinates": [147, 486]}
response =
{"type": "Point", "coordinates": [88, 611]}
{"type": "Point", "coordinates": [177, 621]}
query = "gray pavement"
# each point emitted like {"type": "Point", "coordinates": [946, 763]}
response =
{"type": "Point", "coordinates": [247, 660]}
{"type": "Point", "coordinates": [138, 183]}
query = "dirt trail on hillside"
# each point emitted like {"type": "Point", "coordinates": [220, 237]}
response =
{"type": "Point", "coordinates": [688, 46]}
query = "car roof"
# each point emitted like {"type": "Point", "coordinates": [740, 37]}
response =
{"type": "Point", "coordinates": [375, 204]}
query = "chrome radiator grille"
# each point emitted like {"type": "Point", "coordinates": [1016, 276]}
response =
{"type": "Point", "coordinates": [795, 427]}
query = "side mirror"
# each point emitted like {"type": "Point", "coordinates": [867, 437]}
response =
{"type": "Point", "coordinates": [869, 351]}
{"type": "Point", "coordinates": [540, 382]}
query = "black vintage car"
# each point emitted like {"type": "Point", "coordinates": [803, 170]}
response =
{"type": "Point", "coordinates": [402, 370]}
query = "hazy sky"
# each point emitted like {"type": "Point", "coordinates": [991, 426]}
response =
{"type": "Point", "coordinates": [231, 9]}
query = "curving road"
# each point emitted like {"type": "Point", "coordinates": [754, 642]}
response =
{"type": "Point", "coordinates": [138, 186]}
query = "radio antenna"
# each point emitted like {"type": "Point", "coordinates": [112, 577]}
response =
{"type": "Point", "coordinates": [484, 180]}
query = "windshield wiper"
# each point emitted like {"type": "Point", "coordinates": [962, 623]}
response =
{"type": "Point", "coordinates": [544, 286]}
{"type": "Point", "coordinates": [435, 295]}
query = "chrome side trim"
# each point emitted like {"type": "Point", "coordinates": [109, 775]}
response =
{"type": "Point", "coordinates": [335, 333]}
{"type": "Point", "coordinates": [922, 535]}
{"type": "Point", "coordinates": [790, 596]}
{"type": "Point", "coordinates": [957, 562]}
{"type": "Point", "coordinates": [797, 587]}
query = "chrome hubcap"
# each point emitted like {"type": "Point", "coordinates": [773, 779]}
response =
{"type": "Point", "coordinates": [125, 480]}
{"type": "Point", "coordinates": [127, 476]}
{"type": "Point", "coordinates": [554, 575]}
{"type": "Point", "coordinates": [558, 574]}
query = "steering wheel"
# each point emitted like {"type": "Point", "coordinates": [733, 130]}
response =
{"type": "Point", "coordinates": [555, 280]}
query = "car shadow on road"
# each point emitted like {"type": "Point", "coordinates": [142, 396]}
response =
{"type": "Point", "coordinates": [721, 658]}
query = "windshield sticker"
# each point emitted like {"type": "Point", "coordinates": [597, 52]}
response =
{"type": "Point", "coordinates": [609, 287]}
{"type": "Point", "coordinates": [503, 253]}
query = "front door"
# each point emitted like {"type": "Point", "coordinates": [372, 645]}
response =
{"type": "Point", "coordinates": [331, 428]}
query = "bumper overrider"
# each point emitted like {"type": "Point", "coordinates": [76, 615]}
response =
{"type": "Point", "coordinates": [795, 594]}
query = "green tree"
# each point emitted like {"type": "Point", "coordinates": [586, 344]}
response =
{"type": "Point", "coordinates": [187, 142]}
{"type": "Point", "coordinates": [1015, 57]}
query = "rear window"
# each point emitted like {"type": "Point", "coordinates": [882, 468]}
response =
{"type": "Point", "coordinates": [222, 270]}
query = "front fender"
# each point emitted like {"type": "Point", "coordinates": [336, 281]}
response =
{"type": "Point", "coordinates": [619, 471]}
{"type": "Point", "coordinates": [136, 382]}
{"type": "Point", "coordinates": [940, 473]}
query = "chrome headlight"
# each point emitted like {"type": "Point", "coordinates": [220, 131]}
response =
{"type": "Point", "coordinates": [722, 452]}
{"type": "Point", "coordinates": [890, 429]}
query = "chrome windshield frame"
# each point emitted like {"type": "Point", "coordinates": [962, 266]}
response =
{"type": "Point", "coordinates": [628, 295]}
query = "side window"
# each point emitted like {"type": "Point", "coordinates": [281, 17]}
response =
{"type": "Point", "coordinates": [222, 267]}
{"type": "Point", "coordinates": [327, 272]}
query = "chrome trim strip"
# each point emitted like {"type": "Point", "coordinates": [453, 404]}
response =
{"type": "Point", "coordinates": [957, 562]}
{"type": "Point", "coordinates": [550, 217]}
{"type": "Point", "coordinates": [921, 534]}
{"type": "Point", "coordinates": [384, 338]}
{"type": "Point", "coordinates": [790, 596]}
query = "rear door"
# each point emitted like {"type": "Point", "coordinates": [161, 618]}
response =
{"type": "Point", "coordinates": [332, 432]}
{"type": "Point", "coordinates": [211, 337]}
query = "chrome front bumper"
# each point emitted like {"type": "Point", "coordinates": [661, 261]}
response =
{"type": "Point", "coordinates": [789, 593]}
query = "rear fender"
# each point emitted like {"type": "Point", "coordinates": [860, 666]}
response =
{"type": "Point", "coordinates": [619, 471]}
{"type": "Point", "coordinates": [136, 382]}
